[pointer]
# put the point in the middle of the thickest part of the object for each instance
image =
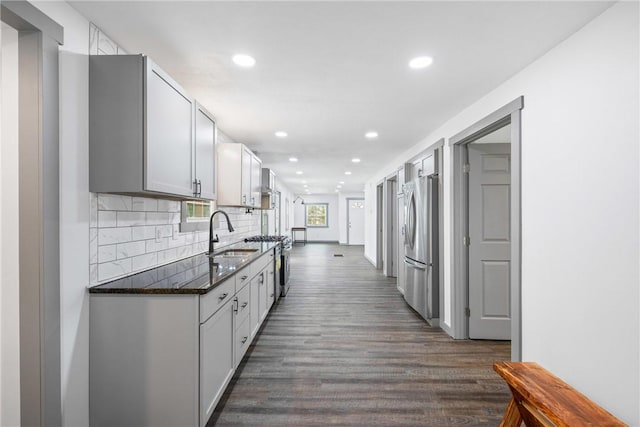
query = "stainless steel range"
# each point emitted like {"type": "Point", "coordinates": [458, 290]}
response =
{"type": "Point", "coordinates": [282, 260]}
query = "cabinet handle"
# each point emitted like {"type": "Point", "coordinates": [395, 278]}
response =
{"type": "Point", "coordinates": [262, 277]}
{"type": "Point", "coordinates": [244, 199]}
{"type": "Point", "coordinates": [244, 278]}
{"type": "Point", "coordinates": [235, 305]}
{"type": "Point", "coordinates": [244, 304]}
{"type": "Point", "coordinates": [195, 187]}
{"type": "Point", "coordinates": [223, 296]}
{"type": "Point", "coordinates": [271, 296]}
{"type": "Point", "coordinates": [253, 201]}
{"type": "Point", "coordinates": [199, 188]}
{"type": "Point", "coordinates": [244, 339]}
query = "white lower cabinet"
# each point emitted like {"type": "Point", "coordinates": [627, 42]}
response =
{"type": "Point", "coordinates": [242, 340]}
{"type": "Point", "coordinates": [166, 360]}
{"type": "Point", "coordinates": [254, 317]}
{"type": "Point", "coordinates": [217, 363]}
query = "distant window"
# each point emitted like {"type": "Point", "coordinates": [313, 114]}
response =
{"type": "Point", "coordinates": [317, 214]}
{"type": "Point", "coordinates": [195, 215]}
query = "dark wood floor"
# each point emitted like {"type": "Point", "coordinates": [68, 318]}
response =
{"type": "Point", "coordinates": [343, 348]}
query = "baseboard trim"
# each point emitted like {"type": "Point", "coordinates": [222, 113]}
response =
{"type": "Point", "coordinates": [370, 260]}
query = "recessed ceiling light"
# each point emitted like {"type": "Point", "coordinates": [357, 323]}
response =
{"type": "Point", "coordinates": [244, 61]}
{"type": "Point", "coordinates": [355, 160]}
{"type": "Point", "coordinates": [304, 182]}
{"type": "Point", "coordinates": [341, 182]}
{"type": "Point", "coordinates": [339, 186]}
{"type": "Point", "coordinates": [298, 172]}
{"type": "Point", "coordinates": [293, 159]}
{"type": "Point", "coordinates": [371, 135]}
{"type": "Point", "coordinates": [336, 190]}
{"type": "Point", "coordinates": [420, 62]}
{"type": "Point", "coordinates": [305, 186]}
{"type": "Point", "coordinates": [281, 134]}
{"type": "Point", "coordinates": [347, 173]}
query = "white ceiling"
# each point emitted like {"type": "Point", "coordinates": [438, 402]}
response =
{"type": "Point", "coordinates": [327, 72]}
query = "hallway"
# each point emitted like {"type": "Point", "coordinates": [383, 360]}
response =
{"type": "Point", "coordinates": [343, 348]}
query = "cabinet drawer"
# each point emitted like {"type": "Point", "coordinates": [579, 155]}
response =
{"type": "Point", "coordinates": [259, 264]}
{"type": "Point", "coordinates": [243, 307]}
{"type": "Point", "coordinates": [214, 300]}
{"type": "Point", "coordinates": [243, 340]}
{"type": "Point", "coordinates": [243, 277]}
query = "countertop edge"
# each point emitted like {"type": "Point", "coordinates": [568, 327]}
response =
{"type": "Point", "coordinates": [100, 290]}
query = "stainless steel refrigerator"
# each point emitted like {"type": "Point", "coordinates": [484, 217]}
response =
{"type": "Point", "coordinates": [421, 247]}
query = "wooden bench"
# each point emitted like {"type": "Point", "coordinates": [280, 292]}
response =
{"type": "Point", "coordinates": [540, 399]}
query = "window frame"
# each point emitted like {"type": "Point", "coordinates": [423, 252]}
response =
{"type": "Point", "coordinates": [306, 215]}
{"type": "Point", "coordinates": [188, 223]}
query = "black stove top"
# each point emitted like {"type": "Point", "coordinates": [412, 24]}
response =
{"type": "Point", "coordinates": [265, 239]}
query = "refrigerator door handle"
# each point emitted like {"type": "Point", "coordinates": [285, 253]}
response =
{"type": "Point", "coordinates": [412, 220]}
{"type": "Point", "coordinates": [419, 267]}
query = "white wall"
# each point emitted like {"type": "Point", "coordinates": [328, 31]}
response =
{"type": "Point", "coordinates": [285, 194]}
{"type": "Point", "coordinates": [343, 208]}
{"type": "Point", "coordinates": [321, 234]}
{"type": "Point", "coordinates": [74, 211]}
{"type": "Point", "coordinates": [9, 239]}
{"type": "Point", "coordinates": [580, 200]}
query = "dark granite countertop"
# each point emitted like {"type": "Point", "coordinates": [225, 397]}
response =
{"type": "Point", "coordinates": [195, 275]}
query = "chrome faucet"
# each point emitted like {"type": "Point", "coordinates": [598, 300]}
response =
{"type": "Point", "coordinates": [213, 240]}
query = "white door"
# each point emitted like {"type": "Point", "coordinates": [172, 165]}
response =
{"type": "Point", "coordinates": [355, 231]}
{"type": "Point", "coordinates": [490, 241]}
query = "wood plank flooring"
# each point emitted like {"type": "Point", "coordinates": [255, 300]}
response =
{"type": "Point", "coordinates": [343, 348]}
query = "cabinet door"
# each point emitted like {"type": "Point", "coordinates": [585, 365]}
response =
{"type": "Point", "coordinates": [254, 305]}
{"type": "Point", "coordinates": [271, 290]}
{"type": "Point", "coordinates": [167, 134]}
{"type": "Point", "coordinates": [243, 340]}
{"type": "Point", "coordinates": [205, 153]}
{"type": "Point", "coordinates": [264, 291]}
{"type": "Point", "coordinates": [216, 359]}
{"type": "Point", "coordinates": [256, 181]}
{"type": "Point", "coordinates": [246, 177]}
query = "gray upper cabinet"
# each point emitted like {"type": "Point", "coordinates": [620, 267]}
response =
{"type": "Point", "coordinates": [146, 134]}
{"type": "Point", "coordinates": [246, 176]}
{"type": "Point", "coordinates": [169, 134]}
{"type": "Point", "coordinates": [256, 181]}
{"type": "Point", "coordinates": [239, 176]}
{"type": "Point", "coordinates": [205, 154]}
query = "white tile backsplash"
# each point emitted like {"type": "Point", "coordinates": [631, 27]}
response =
{"type": "Point", "coordinates": [132, 234]}
{"type": "Point", "coordinates": [112, 269]}
{"type": "Point", "coordinates": [106, 219]}
{"type": "Point", "coordinates": [111, 202]}
{"type": "Point", "coordinates": [142, 204]}
{"type": "Point", "coordinates": [127, 219]}
{"type": "Point", "coordinates": [131, 249]}
{"type": "Point", "coordinates": [107, 253]}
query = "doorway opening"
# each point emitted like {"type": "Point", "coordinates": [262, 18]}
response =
{"type": "Point", "coordinates": [486, 229]}
{"type": "Point", "coordinates": [33, 198]}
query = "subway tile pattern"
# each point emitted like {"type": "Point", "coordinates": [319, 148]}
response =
{"type": "Point", "coordinates": [132, 234]}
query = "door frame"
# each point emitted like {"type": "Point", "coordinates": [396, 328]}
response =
{"type": "Point", "coordinates": [379, 224]}
{"type": "Point", "coordinates": [348, 200]}
{"type": "Point", "coordinates": [39, 229]}
{"type": "Point", "coordinates": [389, 228]}
{"type": "Point", "coordinates": [509, 113]}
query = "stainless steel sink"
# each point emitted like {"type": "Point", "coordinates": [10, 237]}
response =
{"type": "Point", "coordinates": [235, 252]}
